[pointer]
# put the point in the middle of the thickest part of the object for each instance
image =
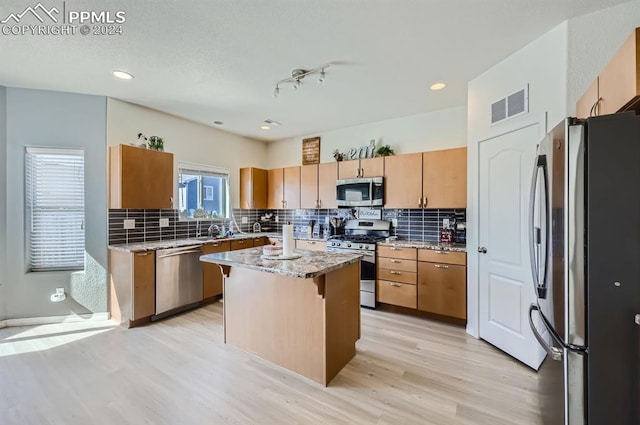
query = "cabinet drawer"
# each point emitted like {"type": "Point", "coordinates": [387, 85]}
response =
{"type": "Point", "coordinates": [397, 276]}
{"type": "Point", "coordinates": [241, 244]}
{"type": "Point", "coordinates": [397, 264]}
{"type": "Point", "coordinates": [397, 252]}
{"type": "Point", "coordinates": [397, 294]}
{"type": "Point", "coordinates": [311, 245]}
{"type": "Point", "coordinates": [446, 257]}
{"type": "Point", "coordinates": [260, 241]}
{"type": "Point", "coordinates": [213, 247]}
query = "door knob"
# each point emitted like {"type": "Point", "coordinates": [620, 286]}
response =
{"type": "Point", "coordinates": [637, 319]}
{"type": "Point", "coordinates": [482, 250]}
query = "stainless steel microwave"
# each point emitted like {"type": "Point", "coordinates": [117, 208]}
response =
{"type": "Point", "coordinates": [362, 192]}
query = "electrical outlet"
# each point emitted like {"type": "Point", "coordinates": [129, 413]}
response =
{"type": "Point", "coordinates": [164, 222]}
{"type": "Point", "coordinates": [445, 223]}
{"type": "Point", "coordinates": [326, 220]}
{"type": "Point", "coordinates": [130, 223]}
{"type": "Point", "coordinates": [245, 220]}
{"type": "Point", "coordinates": [277, 219]}
{"type": "Point", "coordinates": [394, 222]}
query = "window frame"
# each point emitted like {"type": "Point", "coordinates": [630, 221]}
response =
{"type": "Point", "coordinates": [202, 170]}
{"type": "Point", "coordinates": [29, 216]}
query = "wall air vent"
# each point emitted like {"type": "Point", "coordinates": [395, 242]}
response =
{"type": "Point", "coordinates": [513, 105]}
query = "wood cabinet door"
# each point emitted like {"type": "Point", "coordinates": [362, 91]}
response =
{"type": "Point", "coordinates": [372, 167]}
{"type": "Point", "coordinates": [348, 169]}
{"type": "Point", "coordinates": [211, 273]}
{"type": "Point", "coordinates": [144, 284]}
{"type": "Point", "coordinates": [444, 182]}
{"type": "Point", "coordinates": [275, 193]}
{"type": "Point", "coordinates": [253, 188]}
{"type": "Point", "coordinates": [292, 188]}
{"type": "Point", "coordinates": [618, 82]}
{"type": "Point", "coordinates": [145, 178]}
{"type": "Point", "coordinates": [585, 107]}
{"type": "Point", "coordinates": [403, 181]}
{"type": "Point", "coordinates": [327, 176]}
{"type": "Point", "coordinates": [442, 289]}
{"type": "Point", "coordinates": [309, 186]}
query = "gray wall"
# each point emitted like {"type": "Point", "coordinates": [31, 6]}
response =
{"type": "Point", "coordinates": [593, 39]}
{"type": "Point", "coordinates": [45, 118]}
{"type": "Point", "coordinates": [3, 200]}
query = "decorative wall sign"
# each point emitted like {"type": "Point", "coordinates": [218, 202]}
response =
{"type": "Point", "coordinates": [311, 151]}
{"type": "Point", "coordinates": [363, 151]}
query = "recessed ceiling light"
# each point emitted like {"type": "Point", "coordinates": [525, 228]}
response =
{"type": "Point", "coordinates": [438, 86]}
{"type": "Point", "coordinates": [218, 122]}
{"type": "Point", "coordinates": [122, 75]}
{"type": "Point", "coordinates": [265, 127]}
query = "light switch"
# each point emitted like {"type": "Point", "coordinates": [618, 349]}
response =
{"type": "Point", "coordinates": [245, 220]}
{"type": "Point", "coordinates": [130, 223]}
{"type": "Point", "coordinates": [277, 219]}
{"type": "Point", "coordinates": [164, 222]}
{"type": "Point", "coordinates": [394, 222]}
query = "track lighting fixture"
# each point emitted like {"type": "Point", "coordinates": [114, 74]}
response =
{"type": "Point", "coordinates": [297, 77]}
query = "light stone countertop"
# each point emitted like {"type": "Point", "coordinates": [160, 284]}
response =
{"type": "Point", "coordinates": [455, 247]}
{"type": "Point", "coordinates": [311, 264]}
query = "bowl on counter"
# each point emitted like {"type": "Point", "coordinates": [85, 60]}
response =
{"type": "Point", "coordinates": [271, 250]}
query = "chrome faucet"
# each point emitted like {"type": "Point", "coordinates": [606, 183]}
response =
{"type": "Point", "coordinates": [213, 228]}
{"type": "Point", "coordinates": [198, 229]}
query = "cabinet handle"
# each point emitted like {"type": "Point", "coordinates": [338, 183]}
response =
{"type": "Point", "coordinates": [311, 242]}
{"type": "Point", "coordinates": [362, 172]}
{"type": "Point", "coordinates": [420, 202]}
{"type": "Point", "coordinates": [394, 272]}
{"type": "Point", "coordinates": [143, 254]}
{"type": "Point", "coordinates": [424, 202]}
{"type": "Point", "coordinates": [319, 203]}
{"type": "Point", "coordinates": [396, 261]}
{"type": "Point", "coordinates": [441, 266]}
{"type": "Point", "coordinates": [397, 285]}
{"type": "Point", "coordinates": [442, 252]}
{"type": "Point", "coordinates": [396, 249]}
{"type": "Point", "coordinates": [215, 244]}
{"type": "Point", "coordinates": [240, 242]}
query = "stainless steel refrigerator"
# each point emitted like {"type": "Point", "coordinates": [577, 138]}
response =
{"type": "Point", "coordinates": [585, 256]}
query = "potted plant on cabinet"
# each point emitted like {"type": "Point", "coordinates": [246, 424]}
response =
{"type": "Point", "coordinates": [385, 150]}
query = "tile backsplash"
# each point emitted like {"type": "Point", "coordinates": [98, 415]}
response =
{"type": "Point", "coordinates": [415, 224]}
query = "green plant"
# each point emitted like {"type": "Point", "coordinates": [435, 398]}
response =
{"type": "Point", "coordinates": [337, 155]}
{"type": "Point", "coordinates": [385, 150]}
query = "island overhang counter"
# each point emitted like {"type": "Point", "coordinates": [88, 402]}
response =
{"type": "Point", "coordinates": [301, 314]}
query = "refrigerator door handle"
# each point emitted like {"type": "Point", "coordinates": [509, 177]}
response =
{"type": "Point", "coordinates": [554, 352]}
{"type": "Point", "coordinates": [539, 282]}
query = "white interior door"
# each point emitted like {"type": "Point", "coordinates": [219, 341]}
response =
{"type": "Point", "coordinates": [505, 288]}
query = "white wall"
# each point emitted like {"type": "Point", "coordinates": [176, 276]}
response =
{"type": "Point", "coordinates": [3, 201]}
{"type": "Point", "coordinates": [437, 130]}
{"type": "Point", "coordinates": [187, 140]}
{"type": "Point", "coordinates": [593, 40]}
{"type": "Point", "coordinates": [543, 65]}
{"type": "Point", "coordinates": [45, 118]}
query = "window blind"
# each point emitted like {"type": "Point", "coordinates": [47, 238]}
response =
{"type": "Point", "coordinates": [54, 186]}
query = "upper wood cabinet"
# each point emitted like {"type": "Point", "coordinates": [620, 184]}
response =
{"type": "Point", "coordinates": [283, 188]}
{"type": "Point", "coordinates": [368, 167]}
{"type": "Point", "coordinates": [617, 88]}
{"type": "Point", "coordinates": [403, 181]}
{"type": "Point", "coordinates": [588, 104]}
{"type": "Point", "coordinates": [253, 188]}
{"type": "Point", "coordinates": [318, 185]}
{"type": "Point", "coordinates": [140, 178]}
{"type": "Point", "coordinates": [444, 178]}
{"type": "Point", "coordinates": [436, 179]}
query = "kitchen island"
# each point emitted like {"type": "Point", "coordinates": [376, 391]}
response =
{"type": "Point", "coordinates": [302, 314]}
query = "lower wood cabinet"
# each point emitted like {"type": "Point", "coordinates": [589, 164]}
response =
{"type": "Point", "coordinates": [211, 273]}
{"type": "Point", "coordinates": [132, 285]}
{"type": "Point", "coordinates": [396, 293]}
{"type": "Point", "coordinates": [442, 289]}
{"type": "Point", "coordinates": [241, 244]}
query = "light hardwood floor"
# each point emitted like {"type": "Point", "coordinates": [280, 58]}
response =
{"type": "Point", "coordinates": [178, 372]}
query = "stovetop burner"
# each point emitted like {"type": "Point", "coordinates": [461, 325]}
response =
{"type": "Point", "coordinates": [356, 238]}
{"type": "Point", "coordinates": [360, 235]}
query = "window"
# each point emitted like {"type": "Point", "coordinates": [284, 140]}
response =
{"type": "Point", "coordinates": [54, 196]}
{"type": "Point", "coordinates": [203, 191]}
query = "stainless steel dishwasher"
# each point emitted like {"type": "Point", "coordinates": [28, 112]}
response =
{"type": "Point", "coordinates": [178, 278]}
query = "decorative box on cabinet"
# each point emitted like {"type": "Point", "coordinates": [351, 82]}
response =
{"type": "Point", "coordinates": [140, 178]}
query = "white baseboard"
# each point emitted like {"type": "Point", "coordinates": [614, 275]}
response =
{"type": "Point", "coordinates": [31, 321]}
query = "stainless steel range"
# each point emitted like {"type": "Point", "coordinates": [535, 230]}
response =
{"type": "Point", "coordinates": [360, 236]}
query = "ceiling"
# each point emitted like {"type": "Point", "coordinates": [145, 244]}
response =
{"type": "Point", "coordinates": [219, 60]}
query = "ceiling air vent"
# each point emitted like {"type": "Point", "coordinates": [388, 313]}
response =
{"type": "Point", "coordinates": [511, 106]}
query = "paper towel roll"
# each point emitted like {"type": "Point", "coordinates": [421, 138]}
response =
{"type": "Point", "coordinates": [288, 244]}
